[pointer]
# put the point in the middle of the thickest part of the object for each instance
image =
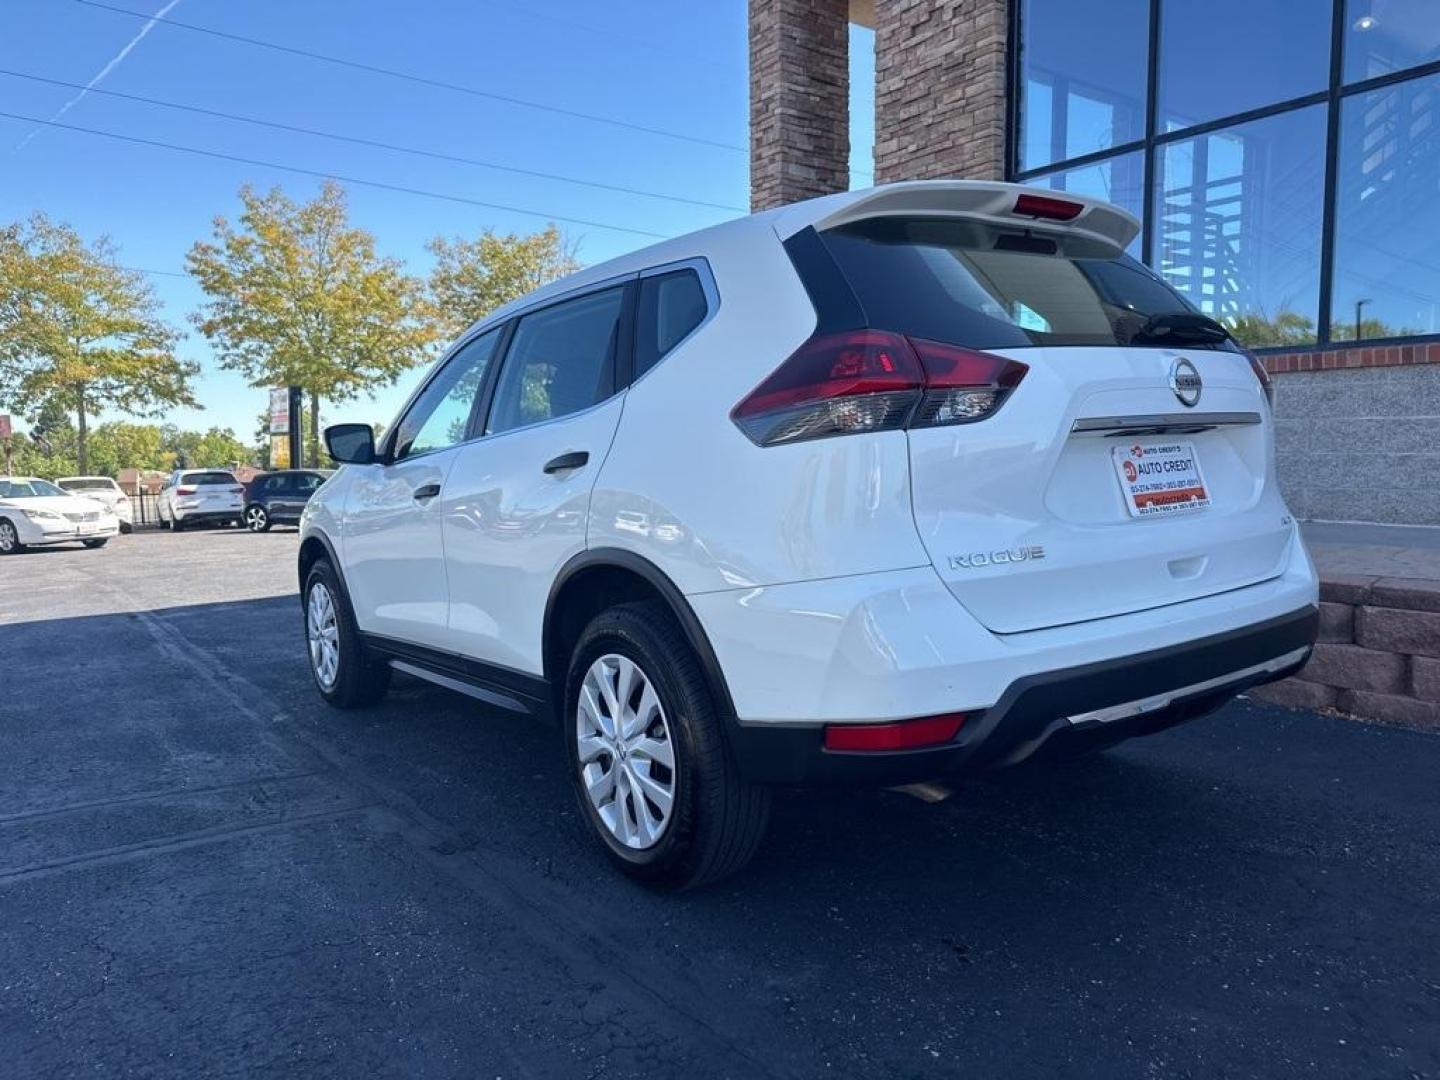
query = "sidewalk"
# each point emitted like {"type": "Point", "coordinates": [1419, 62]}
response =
{"type": "Point", "coordinates": [1405, 551]}
{"type": "Point", "coordinates": [1378, 657]}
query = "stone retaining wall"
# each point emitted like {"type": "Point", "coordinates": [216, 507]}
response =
{"type": "Point", "coordinates": [1378, 657]}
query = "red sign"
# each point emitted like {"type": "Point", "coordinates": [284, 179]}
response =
{"type": "Point", "coordinates": [5, 431]}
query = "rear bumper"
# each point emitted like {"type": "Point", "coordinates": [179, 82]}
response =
{"type": "Point", "coordinates": [208, 515]}
{"type": "Point", "coordinates": [1112, 699]}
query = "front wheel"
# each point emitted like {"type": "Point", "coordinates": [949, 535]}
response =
{"type": "Point", "coordinates": [9, 538]}
{"type": "Point", "coordinates": [95, 543]}
{"type": "Point", "coordinates": [345, 676]}
{"type": "Point", "coordinates": [256, 519]}
{"type": "Point", "coordinates": [652, 774]}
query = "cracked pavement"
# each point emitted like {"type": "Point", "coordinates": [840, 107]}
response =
{"type": "Point", "coordinates": [205, 871]}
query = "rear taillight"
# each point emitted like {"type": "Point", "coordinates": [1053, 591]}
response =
{"type": "Point", "coordinates": [901, 735]}
{"type": "Point", "coordinates": [1267, 384]}
{"type": "Point", "coordinates": [873, 380]}
{"type": "Point", "coordinates": [1044, 206]}
{"type": "Point", "coordinates": [184, 491]}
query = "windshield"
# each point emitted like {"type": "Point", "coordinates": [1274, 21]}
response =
{"type": "Point", "coordinates": [88, 484]}
{"type": "Point", "coordinates": [27, 489]}
{"type": "Point", "coordinates": [986, 286]}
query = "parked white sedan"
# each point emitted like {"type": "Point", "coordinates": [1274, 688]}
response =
{"type": "Point", "coordinates": [34, 512]}
{"type": "Point", "coordinates": [105, 491]}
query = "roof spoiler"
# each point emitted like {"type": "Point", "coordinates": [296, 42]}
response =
{"type": "Point", "coordinates": [975, 199]}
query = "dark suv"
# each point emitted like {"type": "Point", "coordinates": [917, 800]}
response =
{"type": "Point", "coordinates": [279, 498]}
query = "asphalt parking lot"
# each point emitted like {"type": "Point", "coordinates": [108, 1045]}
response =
{"type": "Point", "coordinates": [205, 871]}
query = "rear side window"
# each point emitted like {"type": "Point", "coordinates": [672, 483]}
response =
{"type": "Point", "coordinates": [198, 478]}
{"type": "Point", "coordinates": [670, 307]}
{"type": "Point", "coordinates": [561, 360]}
{"type": "Point", "coordinates": [985, 286]}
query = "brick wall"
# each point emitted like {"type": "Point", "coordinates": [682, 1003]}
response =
{"type": "Point", "coordinates": [799, 100]}
{"type": "Point", "coordinates": [939, 89]}
{"type": "Point", "coordinates": [1378, 656]}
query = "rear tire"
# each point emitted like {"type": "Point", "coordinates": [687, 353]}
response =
{"type": "Point", "coordinates": [92, 544]}
{"type": "Point", "coordinates": [9, 538]}
{"type": "Point", "coordinates": [176, 525]}
{"type": "Point", "coordinates": [356, 679]}
{"type": "Point", "coordinates": [716, 819]}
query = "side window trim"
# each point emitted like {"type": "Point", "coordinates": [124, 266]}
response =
{"type": "Point", "coordinates": [701, 266]}
{"type": "Point", "coordinates": [480, 408]}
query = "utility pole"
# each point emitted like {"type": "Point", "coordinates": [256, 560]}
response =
{"type": "Point", "coordinates": [1359, 307]}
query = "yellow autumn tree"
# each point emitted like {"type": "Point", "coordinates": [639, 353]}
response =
{"type": "Point", "coordinates": [80, 334]}
{"type": "Point", "coordinates": [299, 297]}
{"type": "Point", "coordinates": [471, 278]}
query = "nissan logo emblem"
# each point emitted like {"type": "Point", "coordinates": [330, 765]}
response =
{"type": "Point", "coordinates": [1185, 381]}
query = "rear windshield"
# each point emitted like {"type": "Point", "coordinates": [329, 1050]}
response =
{"type": "Point", "coordinates": [988, 287]}
{"type": "Point", "coordinates": [208, 478]}
{"type": "Point", "coordinates": [98, 484]}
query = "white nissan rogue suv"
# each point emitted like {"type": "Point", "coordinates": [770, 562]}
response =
{"type": "Point", "coordinates": [895, 484]}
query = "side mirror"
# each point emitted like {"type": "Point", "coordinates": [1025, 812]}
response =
{"type": "Point", "coordinates": [351, 444]}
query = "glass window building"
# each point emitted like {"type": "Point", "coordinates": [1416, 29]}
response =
{"type": "Point", "coordinates": [1283, 157]}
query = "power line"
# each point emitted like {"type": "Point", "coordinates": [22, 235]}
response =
{"type": "Point", "coordinates": [372, 142]}
{"type": "Point", "coordinates": [422, 80]}
{"type": "Point", "coordinates": [331, 176]}
{"type": "Point", "coordinates": [145, 270]}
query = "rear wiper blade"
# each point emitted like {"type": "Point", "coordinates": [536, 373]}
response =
{"type": "Point", "coordinates": [1179, 328]}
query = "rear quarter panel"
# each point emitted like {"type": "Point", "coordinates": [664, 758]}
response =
{"type": "Point", "coordinates": [684, 488]}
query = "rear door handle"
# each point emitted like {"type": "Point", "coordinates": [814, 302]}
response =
{"type": "Point", "coordinates": [572, 460]}
{"type": "Point", "coordinates": [426, 491]}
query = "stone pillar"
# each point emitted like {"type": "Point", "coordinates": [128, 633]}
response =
{"type": "Point", "coordinates": [799, 100]}
{"type": "Point", "coordinates": [939, 89]}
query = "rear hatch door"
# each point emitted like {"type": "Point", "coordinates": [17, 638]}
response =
{"type": "Point", "coordinates": [1132, 466]}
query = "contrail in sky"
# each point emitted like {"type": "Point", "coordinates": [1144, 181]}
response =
{"type": "Point", "coordinates": [101, 75]}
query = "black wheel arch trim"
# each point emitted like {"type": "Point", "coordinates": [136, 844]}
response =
{"type": "Point", "coordinates": [690, 625]}
{"type": "Point", "coordinates": [334, 561]}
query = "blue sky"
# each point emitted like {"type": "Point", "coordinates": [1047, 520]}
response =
{"type": "Point", "coordinates": [676, 67]}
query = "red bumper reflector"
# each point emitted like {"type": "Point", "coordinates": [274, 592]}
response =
{"type": "Point", "coordinates": [902, 735]}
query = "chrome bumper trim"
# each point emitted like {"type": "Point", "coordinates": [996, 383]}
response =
{"type": "Point", "coordinates": [1161, 423]}
{"type": "Point", "coordinates": [1160, 701]}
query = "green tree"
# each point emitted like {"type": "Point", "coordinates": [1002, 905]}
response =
{"type": "Point", "coordinates": [56, 456]}
{"type": "Point", "coordinates": [299, 297]}
{"type": "Point", "coordinates": [79, 334]}
{"type": "Point", "coordinates": [216, 448]}
{"type": "Point", "coordinates": [471, 278]}
{"type": "Point", "coordinates": [119, 445]}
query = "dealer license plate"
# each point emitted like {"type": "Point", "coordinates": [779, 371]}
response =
{"type": "Point", "coordinates": [1160, 478]}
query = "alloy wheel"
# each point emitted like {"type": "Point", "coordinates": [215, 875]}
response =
{"type": "Point", "coordinates": [626, 753]}
{"type": "Point", "coordinates": [8, 537]}
{"type": "Point", "coordinates": [323, 632]}
{"type": "Point", "coordinates": [255, 519]}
